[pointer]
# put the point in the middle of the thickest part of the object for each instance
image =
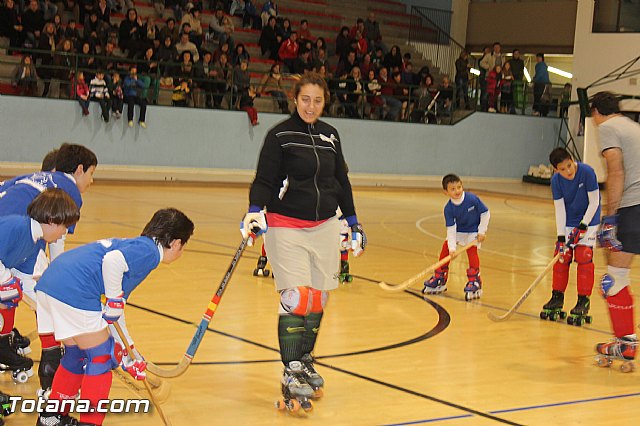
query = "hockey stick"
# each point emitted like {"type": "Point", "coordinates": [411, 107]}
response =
{"type": "Point", "coordinates": [204, 323]}
{"type": "Point", "coordinates": [425, 272]}
{"type": "Point", "coordinates": [526, 294]}
{"type": "Point", "coordinates": [146, 385]}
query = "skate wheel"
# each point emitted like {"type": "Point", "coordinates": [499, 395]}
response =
{"type": "Point", "coordinates": [266, 272]}
{"type": "Point", "coordinates": [570, 321]}
{"type": "Point", "coordinates": [20, 376]}
{"type": "Point", "coordinates": [24, 351]}
{"type": "Point", "coordinates": [627, 367]}
{"type": "Point", "coordinates": [603, 361]}
{"type": "Point", "coordinates": [563, 315]}
{"type": "Point", "coordinates": [467, 296]}
{"type": "Point", "coordinates": [306, 405]}
{"type": "Point", "coordinates": [543, 315]}
{"type": "Point", "coordinates": [589, 319]}
{"type": "Point", "coordinates": [256, 273]}
{"type": "Point", "coordinates": [349, 278]}
{"type": "Point", "coordinates": [280, 405]}
{"type": "Point", "coordinates": [293, 405]}
{"type": "Point", "coordinates": [553, 316]}
{"type": "Point", "coordinates": [319, 393]}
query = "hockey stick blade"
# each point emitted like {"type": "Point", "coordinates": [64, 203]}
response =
{"type": "Point", "coordinates": [204, 323]}
{"type": "Point", "coordinates": [525, 295]}
{"type": "Point", "coordinates": [425, 272]}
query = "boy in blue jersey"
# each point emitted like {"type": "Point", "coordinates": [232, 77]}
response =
{"type": "Point", "coordinates": [576, 198]}
{"type": "Point", "coordinates": [467, 219]}
{"type": "Point", "coordinates": [48, 217]}
{"type": "Point", "coordinates": [69, 305]}
{"type": "Point", "coordinates": [74, 168]}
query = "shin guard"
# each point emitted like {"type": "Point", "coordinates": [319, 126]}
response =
{"type": "Point", "coordinates": [586, 269]}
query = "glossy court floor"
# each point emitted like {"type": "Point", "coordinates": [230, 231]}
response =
{"type": "Point", "coordinates": [388, 358]}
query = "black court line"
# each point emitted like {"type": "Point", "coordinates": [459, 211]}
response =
{"type": "Point", "coordinates": [443, 323]}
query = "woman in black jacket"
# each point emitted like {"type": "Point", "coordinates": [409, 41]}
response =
{"type": "Point", "coordinates": [301, 180]}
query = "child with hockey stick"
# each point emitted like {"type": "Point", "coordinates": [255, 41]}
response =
{"type": "Point", "coordinates": [47, 219]}
{"type": "Point", "coordinates": [576, 198]}
{"type": "Point", "coordinates": [467, 219]}
{"type": "Point", "coordinates": [69, 305]}
{"type": "Point", "coordinates": [74, 167]}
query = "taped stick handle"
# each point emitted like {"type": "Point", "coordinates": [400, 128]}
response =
{"type": "Point", "coordinates": [425, 272]}
{"type": "Point", "coordinates": [527, 292]}
{"type": "Point", "coordinates": [146, 385]}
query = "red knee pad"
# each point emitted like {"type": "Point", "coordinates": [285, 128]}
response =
{"type": "Point", "coordinates": [318, 300]}
{"type": "Point", "coordinates": [584, 254]}
{"type": "Point", "coordinates": [586, 269]}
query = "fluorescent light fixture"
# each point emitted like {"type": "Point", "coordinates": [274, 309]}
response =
{"type": "Point", "coordinates": [474, 71]}
{"type": "Point", "coordinates": [560, 72]}
{"type": "Point", "coordinates": [527, 75]}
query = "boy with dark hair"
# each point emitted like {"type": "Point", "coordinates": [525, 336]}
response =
{"type": "Point", "coordinates": [576, 198]}
{"type": "Point", "coordinates": [74, 168]}
{"type": "Point", "coordinates": [620, 229]}
{"type": "Point", "coordinates": [466, 219]}
{"type": "Point", "coordinates": [49, 161]}
{"type": "Point", "coordinates": [69, 305]}
{"type": "Point", "coordinates": [47, 219]}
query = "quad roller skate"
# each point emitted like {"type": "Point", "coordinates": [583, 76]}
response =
{"type": "Point", "coordinates": [20, 366]}
{"type": "Point", "coordinates": [345, 276]}
{"type": "Point", "coordinates": [623, 349]}
{"type": "Point", "coordinates": [20, 343]}
{"type": "Point", "coordinates": [314, 379]}
{"type": "Point", "coordinates": [437, 283]}
{"type": "Point", "coordinates": [296, 392]}
{"type": "Point", "coordinates": [552, 310]}
{"type": "Point", "coordinates": [473, 289]}
{"type": "Point", "coordinates": [5, 407]}
{"type": "Point", "coordinates": [261, 267]}
{"type": "Point", "coordinates": [578, 314]}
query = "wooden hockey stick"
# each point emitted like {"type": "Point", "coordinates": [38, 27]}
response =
{"type": "Point", "coordinates": [425, 272]}
{"type": "Point", "coordinates": [204, 323]}
{"type": "Point", "coordinates": [146, 385]}
{"type": "Point", "coordinates": [534, 284]}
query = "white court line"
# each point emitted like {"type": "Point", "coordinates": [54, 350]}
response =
{"type": "Point", "coordinates": [536, 252]}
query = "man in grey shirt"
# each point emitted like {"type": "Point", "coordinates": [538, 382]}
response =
{"type": "Point", "coordinates": [620, 228]}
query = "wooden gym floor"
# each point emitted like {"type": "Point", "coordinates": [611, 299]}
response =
{"type": "Point", "coordinates": [387, 358]}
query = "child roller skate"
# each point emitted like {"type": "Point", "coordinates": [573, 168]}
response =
{"type": "Point", "coordinates": [473, 289]}
{"type": "Point", "coordinates": [437, 283]}
{"type": "Point", "coordinates": [261, 267]}
{"type": "Point", "coordinates": [314, 379]}
{"type": "Point", "coordinates": [579, 312]}
{"type": "Point", "coordinates": [10, 360]}
{"type": "Point", "coordinates": [296, 392]}
{"type": "Point", "coordinates": [553, 308]}
{"type": "Point", "coordinates": [623, 348]}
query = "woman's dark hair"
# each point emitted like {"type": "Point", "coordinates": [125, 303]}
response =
{"type": "Point", "coordinates": [54, 206]}
{"type": "Point", "coordinates": [312, 78]}
{"type": "Point", "coordinates": [606, 103]}
{"type": "Point", "coordinates": [167, 225]}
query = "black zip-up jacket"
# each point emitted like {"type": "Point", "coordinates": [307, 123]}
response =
{"type": "Point", "coordinates": [309, 158]}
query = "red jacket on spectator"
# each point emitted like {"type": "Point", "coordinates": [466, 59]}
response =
{"type": "Point", "coordinates": [387, 86]}
{"type": "Point", "coordinates": [362, 47]}
{"type": "Point", "coordinates": [82, 89]}
{"type": "Point", "coordinates": [288, 50]}
{"type": "Point", "coordinates": [493, 82]}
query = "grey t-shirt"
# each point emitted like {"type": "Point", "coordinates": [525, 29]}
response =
{"type": "Point", "coordinates": [624, 133]}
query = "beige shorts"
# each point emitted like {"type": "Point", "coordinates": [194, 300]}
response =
{"type": "Point", "coordinates": [65, 321]}
{"type": "Point", "coordinates": [305, 256]}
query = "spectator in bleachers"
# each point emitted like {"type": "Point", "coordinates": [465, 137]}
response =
{"type": "Point", "coordinates": [48, 42]}
{"type": "Point", "coordinates": [407, 76]}
{"type": "Point", "coordinates": [222, 27]}
{"type": "Point", "coordinates": [423, 100]}
{"type": "Point", "coordinates": [99, 92]}
{"type": "Point", "coordinates": [377, 59]}
{"type": "Point", "coordinates": [133, 90]}
{"type": "Point", "coordinates": [346, 65]}
{"type": "Point", "coordinates": [241, 82]}
{"type": "Point", "coordinates": [462, 80]}
{"type": "Point", "coordinates": [10, 25]}
{"type": "Point", "coordinates": [372, 32]}
{"type": "Point", "coordinates": [240, 54]}
{"type": "Point", "coordinates": [130, 33]}
{"type": "Point", "coordinates": [387, 93]}
{"type": "Point", "coordinates": [246, 104]}
{"type": "Point", "coordinates": [362, 48]}
{"type": "Point", "coordinates": [64, 60]}
{"type": "Point", "coordinates": [506, 90]}
{"type": "Point", "coordinates": [343, 43]}
{"type": "Point", "coordinates": [57, 22]}
{"type": "Point", "coordinates": [284, 29]}
{"type": "Point", "coordinates": [193, 37]}
{"type": "Point", "coordinates": [71, 32]}
{"type": "Point", "coordinates": [271, 85]}
{"type": "Point", "coordinates": [496, 55]}
{"type": "Point", "coordinates": [338, 89]}
{"type": "Point", "coordinates": [193, 19]}
{"type": "Point", "coordinates": [485, 67]}
{"type": "Point", "coordinates": [355, 94]}
{"type": "Point", "coordinates": [204, 72]}
{"type": "Point", "coordinates": [170, 30]}
{"type": "Point", "coordinates": [86, 6]}
{"type": "Point", "coordinates": [236, 7]}
{"type": "Point", "coordinates": [393, 60]}
{"type": "Point", "coordinates": [494, 84]}
{"type": "Point", "coordinates": [166, 55]}
{"type": "Point", "coordinates": [108, 59]}
{"type": "Point", "coordinates": [87, 60]}
{"type": "Point", "coordinates": [33, 22]}
{"type": "Point", "coordinates": [541, 87]}
{"type": "Point", "coordinates": [269, 40]}
{"type": "Point", "coordinates": [159, 6]}
{"type": "Point", "coordinates": [25, 77]}
{"type": "Point", "coordinates": [223, 83]}
{"type": "Point", "coordinates": [359, 26]}
{"type": "Point", "coordinates": [303, 63]}
{"type": "Point", "coordinates": [82, 93]}
{"type": "Point", "coordinates": [176, 6]}
{"type": "Point", "coordinates": [49, 9]}
{"type": "Point", "coordinates": [185, 45]}
{"type": "Point", "coordinates": [303, 32]}
{"type": "Point", "coordinates": [400, 92]}
{"type": "Point", "coordinates": [149, 67]}
{"type": "Point", "coordinates": [181, 93]}
{"type": "Point", "coordinates": [445, 99]}
{"type": "Point", "coordinates": [288, 51]}
{"type": "Point", "coordinates": [250, 16]}
{"type": "Point", "coordinates": [103, 11]}
{"type": "Point", "coordinates": [374, 95]}
{"type": "Point", "coordinates": [150, 30]}
{"type": "Point", "coordinates": [319, 43]}
{"type": "Point", "coordinates": [366, 65]}
{"type": "Point", "coordinates": [269, 9]}
{"type": "Point", "coordinates": [517, 68]}
{"type": "Point", "coordinates": [95, 30]}
{"type": "Point", "coordinates": [320, 58]}
{"type": "Point", "coordinates": [116, 95]}
{"type": "Point", "coordinates": [223, 48]}
{"type": "Point", "coordinates": [186, 70]}
{"type": "Point", "coordinates": [69, 6]}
